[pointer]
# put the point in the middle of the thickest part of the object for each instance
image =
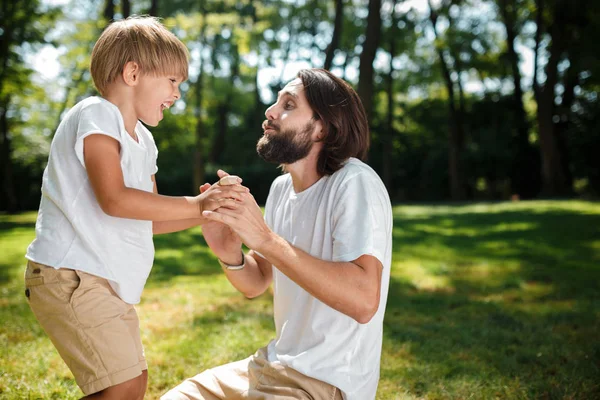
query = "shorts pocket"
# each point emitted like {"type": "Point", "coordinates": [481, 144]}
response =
{"type": "Point", "coordinates": [31, 282]}
{"type": "Point", "coordinates": [33, 275]}
{"type": "Point", "coordinates": [69, 281]}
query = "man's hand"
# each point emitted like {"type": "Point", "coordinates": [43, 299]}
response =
{"type": "Point", "coordinates": [221, 239]}
{"type": "Point", "coordinates": [245, 220]}
{"type": "Point", "coordinates": [218, 195]}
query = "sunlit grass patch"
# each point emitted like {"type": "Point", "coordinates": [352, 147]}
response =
{"type": "Point", "coordinates": [486, 301]}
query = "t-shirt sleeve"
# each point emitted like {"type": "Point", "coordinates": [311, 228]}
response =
{"type": "Point", "coordinates": [153, 152]}
{"type": "Point", "coordinates": [96, 119]}
{"type": "Point", "coordinates": [154, 166]}
{"type": "Point", "coordinates": [361, 219]}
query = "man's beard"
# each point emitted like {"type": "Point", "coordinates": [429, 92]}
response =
{"type": "Point", "coordinates": [286, 147]}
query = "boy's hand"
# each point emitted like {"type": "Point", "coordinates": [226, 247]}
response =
{"type": "Point", "coordinates": [222, 195]}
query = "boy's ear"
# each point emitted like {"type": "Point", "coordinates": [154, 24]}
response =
{"type": "Point", "coordinates": [131, 73]}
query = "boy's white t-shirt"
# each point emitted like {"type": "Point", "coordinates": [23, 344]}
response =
{"type": "Point", "coordinates": [72, 231]}
{"type": "Point", "coordinates": [339, 218]}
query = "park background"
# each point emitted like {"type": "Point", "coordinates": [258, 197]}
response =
{"type": "Point", "coordinates": [484, 120]}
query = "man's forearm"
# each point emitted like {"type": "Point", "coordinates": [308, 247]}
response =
{"type": "Point", "coordinates": [348, 287]}
{"type": "Point", "coordinates": [253, 279]}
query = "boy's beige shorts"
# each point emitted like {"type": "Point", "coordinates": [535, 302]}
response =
{"type": "Point", "coordinates": [95, 332]}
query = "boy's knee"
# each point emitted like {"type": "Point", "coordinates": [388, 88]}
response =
{"type": "Point", "coordinates": [136, 387]}
{"type": "Point", "coordinates": [133, 389]}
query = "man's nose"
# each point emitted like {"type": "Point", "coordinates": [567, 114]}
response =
{"type": "Point", "coordinates": [271, 113]}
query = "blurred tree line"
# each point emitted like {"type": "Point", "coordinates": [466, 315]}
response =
{"type": "Point", "coordinates": [452, 115]}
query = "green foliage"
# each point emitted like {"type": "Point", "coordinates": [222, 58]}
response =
{"type": "Point", "coordinates": [243, 39]}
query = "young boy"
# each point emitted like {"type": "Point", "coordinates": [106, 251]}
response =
{"type": "Point", "coordinates": [93, 249]}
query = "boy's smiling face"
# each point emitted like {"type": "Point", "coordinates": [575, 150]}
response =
{"type": "Point", "coordinates": [153, 95]}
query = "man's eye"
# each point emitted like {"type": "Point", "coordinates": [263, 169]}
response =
{"type": "Point", "coordinates": [288, 106]}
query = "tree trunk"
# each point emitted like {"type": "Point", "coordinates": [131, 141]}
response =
{"type": "Point", "coordinates": [524, 172]}
{"type": "Point", "coordinates": [199, 173]}
{"type": "Point", "coordinates": [337, 32]}
{"type": "Point", "coordinates": [539, 21]}
{"type": "Point", "coordinates": [571, 80]}
{"type": "Point", "coordinates": [369, 49]}
{"type": "Point", "coordinates": [456, 133]}
{"type": "Point", "coordinates": [109, 10]}
{"type": "Point", "coordinates": [347, 58]}
{"type": "Point", "coordinates": [387, 134]}
{"type": "Point", "coordinates": [153, 8]}
{"type": "Point", "coordinates": [126, 8]}
{"type": "Point", "coordinates": [220, 138]}
{"type": "Point", "coordinates": [218, 143]}
{"type": "Point", "coordinates": [554, 182]}
{"type": "Point", "coordinates": [8, 187]}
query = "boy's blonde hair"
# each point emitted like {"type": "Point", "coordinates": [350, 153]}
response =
{"type": "Point", "coordinates": [143, 40]}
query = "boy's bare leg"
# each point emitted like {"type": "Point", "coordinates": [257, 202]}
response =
{"type": "Point", "coordinates": [133, 389]}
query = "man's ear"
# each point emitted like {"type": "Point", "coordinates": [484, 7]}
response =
{"type": "Point", "coordinates": [318, 131]}
{"type": "Point", "coordinates": [131, 73]}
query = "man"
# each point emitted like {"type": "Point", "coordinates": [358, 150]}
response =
{"type": "Point", "coordinates": [325, 242]}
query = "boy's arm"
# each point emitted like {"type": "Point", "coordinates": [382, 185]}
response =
{"type": "Point", "coordinates": [103, 165]}
{"type": "Point", "coordinates": [159, 227]}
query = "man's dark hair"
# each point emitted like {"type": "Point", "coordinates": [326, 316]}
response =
{"type": "Point", "coordinates": [337, 105]}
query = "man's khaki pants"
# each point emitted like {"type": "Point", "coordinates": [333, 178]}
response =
{"type": "Point", "coordinates": [252, 379]}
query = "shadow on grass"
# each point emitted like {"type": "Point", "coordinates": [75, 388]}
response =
{"type": "Point", "coordinates": [493, 327]}
{"type": "Point", "coordinates": [5, 275]}
{"type": "Point", "coordinates": [6, 225]}
{"type": "Point", "coordinates": [452, 339]}
{"type": "Point", "coordinates": [182, 253]}
{"type": "Point", "coordinates": [13, 228]}
{"type": "Point", "coordinates": [551, 246]}
{"type": "Point", "coordinates": [230, 314]}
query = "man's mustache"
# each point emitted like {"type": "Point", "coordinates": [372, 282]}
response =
{"type": "Point", "coordinates": [268, 124]}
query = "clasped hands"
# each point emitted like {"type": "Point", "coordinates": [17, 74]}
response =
{"type": "Point", "coordinates": [240, 213]}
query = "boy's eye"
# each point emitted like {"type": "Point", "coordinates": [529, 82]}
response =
{"type": "Point", "coordinates": [173, 80]}
{"type": "Point", "coordinates": [288, 106]}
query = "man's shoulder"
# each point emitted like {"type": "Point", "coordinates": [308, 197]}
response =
{"type": "Point", "coordinates": [356, 176]}
{"type": "Point", "coordinates": [354, 167]}
{"type": "Point", "coordinates": [281, 181]}
{"type": "Point", "coordinates": [279, 186]}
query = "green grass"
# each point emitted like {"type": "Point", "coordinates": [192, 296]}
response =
{"type": "Point", "coordinates": [486, 301]}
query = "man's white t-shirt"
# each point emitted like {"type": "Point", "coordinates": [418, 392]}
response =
{"type": "Point", "coordinates": [72, 231]}
{"type": "Point", "coordinates": [339, 218]}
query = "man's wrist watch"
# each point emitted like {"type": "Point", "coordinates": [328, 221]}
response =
{"type": "Point", "coordinates": [234, 267]}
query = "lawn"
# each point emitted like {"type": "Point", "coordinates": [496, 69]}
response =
{"type": "Point", "coordinates": [498, 300]}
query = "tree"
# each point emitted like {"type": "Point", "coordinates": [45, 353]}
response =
{"type": "Point", "coordinates": [198, 173]}
{"type": "Point", "coordinates": [525, 171]}
{"type": "Point", "coordinates": [337, 32]}
{"type": "Point", "coordinates": [369, 49]}
{"type": "Point", "coordinates": [387, 134]}
{"type": "Point", "coordinates": [456, 110]}
{"type": "Point", "coordinates": [563, 23]}
{"type": "Point", "coordinates": [23, 23]}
